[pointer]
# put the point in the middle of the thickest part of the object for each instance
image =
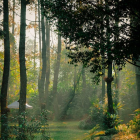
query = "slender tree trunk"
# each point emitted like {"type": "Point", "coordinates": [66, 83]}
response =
{"type": "Point", "coordinates": [103, 85]}
{"type": "Point", "coordinates": [13, 25]}
{"type": "Point", "coordinates": [66, 106]}
{"type": "Point", "coordinates": [43, 71]}
{"type": "Point", "coordinates": [84, 92]}
{"type": "Point", "coordinates": [40, 61]}
{"type": "Point", "coordinates": [137, 69]}
{"type": "Point", "coordinates": [35, 44]}
{"type": "Point", "coordinates": [84, 81]}
{"type": "Point", "coordinates": [109, 92]}
{"type": "Point", "coordinates": [109, 79]}
{"type": "Point", "coordinates": [55, 81]}
{"type": "Point", "coordinates": [39, 32]}
{"type": "Point", "coordinates": [48, 62]}
{"type": "Point", "coordinates": [75, 74]}
{"type": "Point", "coordinates": [103, 55]}
{"type": "Point", "coordinates": [4, 88]}
{"type": "Point", "coordinates": [116, 40]}
{"type": "Point", "coordinates": [13, 28]}
{"type": "Point", "coordinates": [23, 77]}
{"type": "Point", "coordinates": [116, 85]}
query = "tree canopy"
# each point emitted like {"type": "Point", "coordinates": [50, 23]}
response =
{"type": "Point", "coordinates": [91, 24]}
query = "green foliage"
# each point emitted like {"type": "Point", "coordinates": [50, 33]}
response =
{"type": "Point", "coordinates": [110, 120]}
{"type": "Point", "coordinates": [92, 25]}
{"type": "Point", "coordinates": [135, 123]}
{"type": "Point", "coordinates": [111, 131]}
{"type": "Point", "coordinates": [128, 93]}
{"type": "Point", "coordinates": [95, 117]}
{"type": "Point", "coordinates": [33, 128]}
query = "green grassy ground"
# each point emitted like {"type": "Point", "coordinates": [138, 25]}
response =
{"type": "Point", "coordinates": [66, 131]}
{"type": "Point", "coordinates": [60, 131]}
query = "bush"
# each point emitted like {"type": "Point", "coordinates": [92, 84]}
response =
{"type": "Point", "coordinates": [135, 123]}
{"type": "Point", "coordinates": [110, 120]}
{"type": "Point", "coordinates": [95, 117]}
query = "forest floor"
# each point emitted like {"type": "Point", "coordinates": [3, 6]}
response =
{"type": "Point", "coordinates": [66, 131]}
{"type": "Point", "coordinates": [69, 131]}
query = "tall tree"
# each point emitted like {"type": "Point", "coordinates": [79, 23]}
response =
{"type": "Point", "coordinates": [109, 91]}
{"type": "Point", "coordinates": [116, 71]}
{"type": "Point", "coordinates": [138, 82]}
{"type": "Point", "coordinates": [48, 62]}
{"type": "Point", "coordinates": [4, 88]}
{"type": "Point", "coordinates": [39, 31]}
{"type": "Point", "coordinates": [35, 38]}
{"type": "Point", "coordinates": [43, 69]}
{"type": "Point", "coordinates": [23, 76]}
{"type": "Point", "coordinates": [103, 57]}
{"type": "Point", "coordinates": [109, 78]}
{"type": "Point", "coordinates": [84, 80]}
{"type": "Point", "coordinates": [116, 38]}
{"type": "Point", "coordinates": [13, 29]}
{"type": "Point", "coordinates": [55, 80]}
{"type": "Point", "coordinates": [82, 23]}
{"type": "Point", "coordinates": [86, 31]}
{"type": "Point", "coordinates": [103, 85]}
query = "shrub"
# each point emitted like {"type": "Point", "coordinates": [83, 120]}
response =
{"type": "Point", "coordinates": [110, 120]}
{"type": "Point", "coordinates": [95, 117]}
{"type": "Point", "coordinates": [135, 123]}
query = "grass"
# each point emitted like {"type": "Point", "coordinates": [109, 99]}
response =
{"type": "Point", "coordinates": [66, 131]}
{"type": "Point", "coordinates": [60, 131]}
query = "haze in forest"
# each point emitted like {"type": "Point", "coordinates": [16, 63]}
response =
{"type": "Point", "coordinates": [69, 70]}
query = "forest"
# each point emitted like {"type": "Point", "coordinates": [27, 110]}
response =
{"type": "Point", "coordinates": [69, 70]}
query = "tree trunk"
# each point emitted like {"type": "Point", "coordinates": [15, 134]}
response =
{"type": "Point", "coordinates": [84, 81]}
{"type": "Point", "coordinates": [35, 44]}
{"type": "Point", "coordinates": [109, 79]}
{"type": "Point", "coordinates": [23, 77]}
{"type": "Point", "coordinates": [55, 81]}
{"type": "Point", "coordinates": [4, 88]}
{"type": "Point", "coordinates": [116, 40]}
{"type": "Point", "coordinates": [13, 29]}
{"type": "Point", "coordinates": [66, 106]}
{"type": "Point", "coordinates": [43, 70]}
{"type": "Point", "coordinates": [48, 63]}
{"type": "Point", "coordinates": [109, 92]}
{"type": "Point", "coordinates": [116, 85]}
{"type": "Point", "coordinates": [103, 85]}
{"type": "Point", "coordinates": [39, 32]}
{"type": "Point", "coordinates": [103, 56]}
{"type": "Point", "coordinates": [137, 69]}
{"type": "Point", "coordinates": [40, 61]}
{"type": "Point", "coordinates": [84, 94]}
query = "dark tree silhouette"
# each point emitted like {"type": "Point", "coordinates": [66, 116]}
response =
{"type": "Point", "coordinates": [23, 76]}
{"type": "Point", "coordinates": [4, 88]}
{"type": "Point", "coordinates": [41, 83]}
